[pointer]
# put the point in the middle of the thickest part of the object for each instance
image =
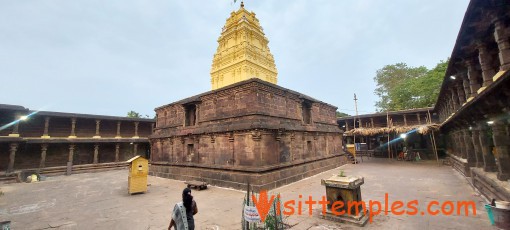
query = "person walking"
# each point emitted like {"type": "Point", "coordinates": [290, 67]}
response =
{"type": "Point", "coordinates": [182, 216]}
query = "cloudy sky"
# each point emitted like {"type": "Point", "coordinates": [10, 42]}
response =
{"type": "Point", "coordinates": [112, 56]}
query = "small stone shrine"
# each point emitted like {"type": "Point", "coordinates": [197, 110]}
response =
{"type": "Point", "coordinates": [348, 191]}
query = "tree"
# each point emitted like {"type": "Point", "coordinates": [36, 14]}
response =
{"type": "Point", "coordinates": [340, 114]}
{"type": "Point", "coordinates": [401, 87]}
{"type": "Point", "coordinates": [133, 114]}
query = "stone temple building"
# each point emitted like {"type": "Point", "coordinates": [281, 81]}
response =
{"type": "Point", "coordinates": [247, 129]}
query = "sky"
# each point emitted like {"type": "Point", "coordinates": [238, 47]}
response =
{"type": "Point", "coordinates": [109, 57]}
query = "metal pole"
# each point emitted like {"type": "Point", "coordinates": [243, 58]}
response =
{"type": "Point", "coordinates": [247, 224]}
{"type": "Point", "coordinates": [434, 146]}
{"type": "Point", "coordinates": [388, 125]}
{"type": "Point", "coordinates": [355, 120]}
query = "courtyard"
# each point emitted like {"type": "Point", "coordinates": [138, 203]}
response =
{"type": "Point", "coordinates": [100, 200]}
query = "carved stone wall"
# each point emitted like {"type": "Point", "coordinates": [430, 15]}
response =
{"type": "Point", "coordinates": [251, 127]}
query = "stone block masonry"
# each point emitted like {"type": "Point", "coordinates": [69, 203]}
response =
{"type": "Point", "coordinates": [250, 131]}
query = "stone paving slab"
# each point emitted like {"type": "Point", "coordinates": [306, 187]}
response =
{"type": "Point", "coordinates": [100, 200]}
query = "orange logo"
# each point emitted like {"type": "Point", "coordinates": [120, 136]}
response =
{"type": "Point", "coordinates": [263, 204]}
{"type": "Point", "coordinates": [374, 208]}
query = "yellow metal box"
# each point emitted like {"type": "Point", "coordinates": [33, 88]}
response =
{"type": "Point", "coordinates": [138, 172]}
{"type": "Point", "coordinates": [351, 148]}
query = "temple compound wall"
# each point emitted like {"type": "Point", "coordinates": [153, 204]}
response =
{"type": "Point", "coordinates": [46, 141]}
{"type": "Point", "coordinates": [473, 104]}
{"type": "Point", "coordinates": [252, 131]}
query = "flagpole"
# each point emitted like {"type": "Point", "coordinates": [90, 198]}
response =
{"type": "Point", "coordinates": [355, 118]}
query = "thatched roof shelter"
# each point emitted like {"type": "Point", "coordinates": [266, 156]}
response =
{"type": "Point", "coordinates": [421, 129]}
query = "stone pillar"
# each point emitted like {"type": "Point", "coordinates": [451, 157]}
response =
{"type": "Point", "coordinates": [485, 60]}
{"type": "Point", "coordinates": [135, 149]}
{"type": "Point", "coordinates": [98, 124]}
{"type": "Point", "coordinates": [465, 84]}
{"type": "Point", "coordinates": [197, 113]}
{"type": "Point", "coordinates": [12, 156]}
{"type": "Point", "coordinates": [96, 153]}
{"type": "Point", "coordinates": [501, 141]}
{"type": "Point", "coordinates": [71, 153]}
{"type": "Point", "coordinates": [152, 128]}
{"type": "Point", "coordinates": [460, 93]}
{"type": "Point", "coordinates": [118, 130]}
{"type": "Point", "coordinates": [405, 120]}
{"type": "Point", "coordinates": [473, 76]}
{"type": "Point", "coordinates": [172, 152]}
{"type": "Point", "coordinates": [448, 104]}
{"type": "Point", "coordinates": [418, 118]}
{"type": "Point", "coordinates": [489, 163]}
{"type": "Point", "coordinates": [346, 125]}
{"type": "Point", "coordinates": [46, 127]}
{"type": "Point", "coordinates": [455, 99]}
{"type": "Point", "coordinates": [469, 148]}
{"type": "Point", "coordinates": [73, 128]}
{"type": "Point", "coordinates": [475, 137]}
{"type": "Point", "coordinates": [117, 151]}
{"type": "Point", "coordinates": [44, 148]}
{"type": "Point", "coordinates": [452, 143]}
{"type": "Point", "coordinates": [460, 146]}
{"type": "Point", "coordinates": [442, 115]}
{"type": "Point", "coordinates": [501, 38]}
{"type": "Point", "coordinates": [136, 130]}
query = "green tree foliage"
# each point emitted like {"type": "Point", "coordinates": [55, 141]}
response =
{"type": "Point", "coordinates": [402, 87]}
{"type": "Point", "coordinates": [133, 114]}
{"type": "Point", "coordinates": [340, 114]}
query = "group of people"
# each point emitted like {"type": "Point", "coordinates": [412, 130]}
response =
{"type": "Point", "coordinates": [182, 215]}
{"type": "Point", "coordinates": [408, 155]}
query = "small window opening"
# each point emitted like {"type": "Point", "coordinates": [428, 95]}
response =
{"type": "Point", "coordinates": [190, 149]}
{"type": "Point", "coordinates": [190, 113]}
{"type": "Point", "coordinates": [189, 152]}
{"type": "Point", "coordinates": [307, 112]}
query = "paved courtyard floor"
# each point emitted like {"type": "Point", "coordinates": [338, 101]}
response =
{"type": "Point", "coordinates": [100, 200]}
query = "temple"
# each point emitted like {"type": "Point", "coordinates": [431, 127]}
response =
{"type": "Point", "coordinates": [242, 52]}
{"type": "Point", "coordinates": [247, 130]}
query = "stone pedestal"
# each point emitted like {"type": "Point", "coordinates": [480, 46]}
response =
{"type": "Point", "coordinates": [346, 191]}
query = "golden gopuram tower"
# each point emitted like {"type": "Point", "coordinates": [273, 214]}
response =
{"type": "Point", "coordinates": [242, 52]}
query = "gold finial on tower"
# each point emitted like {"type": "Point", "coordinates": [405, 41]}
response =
{"type": "Point", "coordinates": [242, 52]}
